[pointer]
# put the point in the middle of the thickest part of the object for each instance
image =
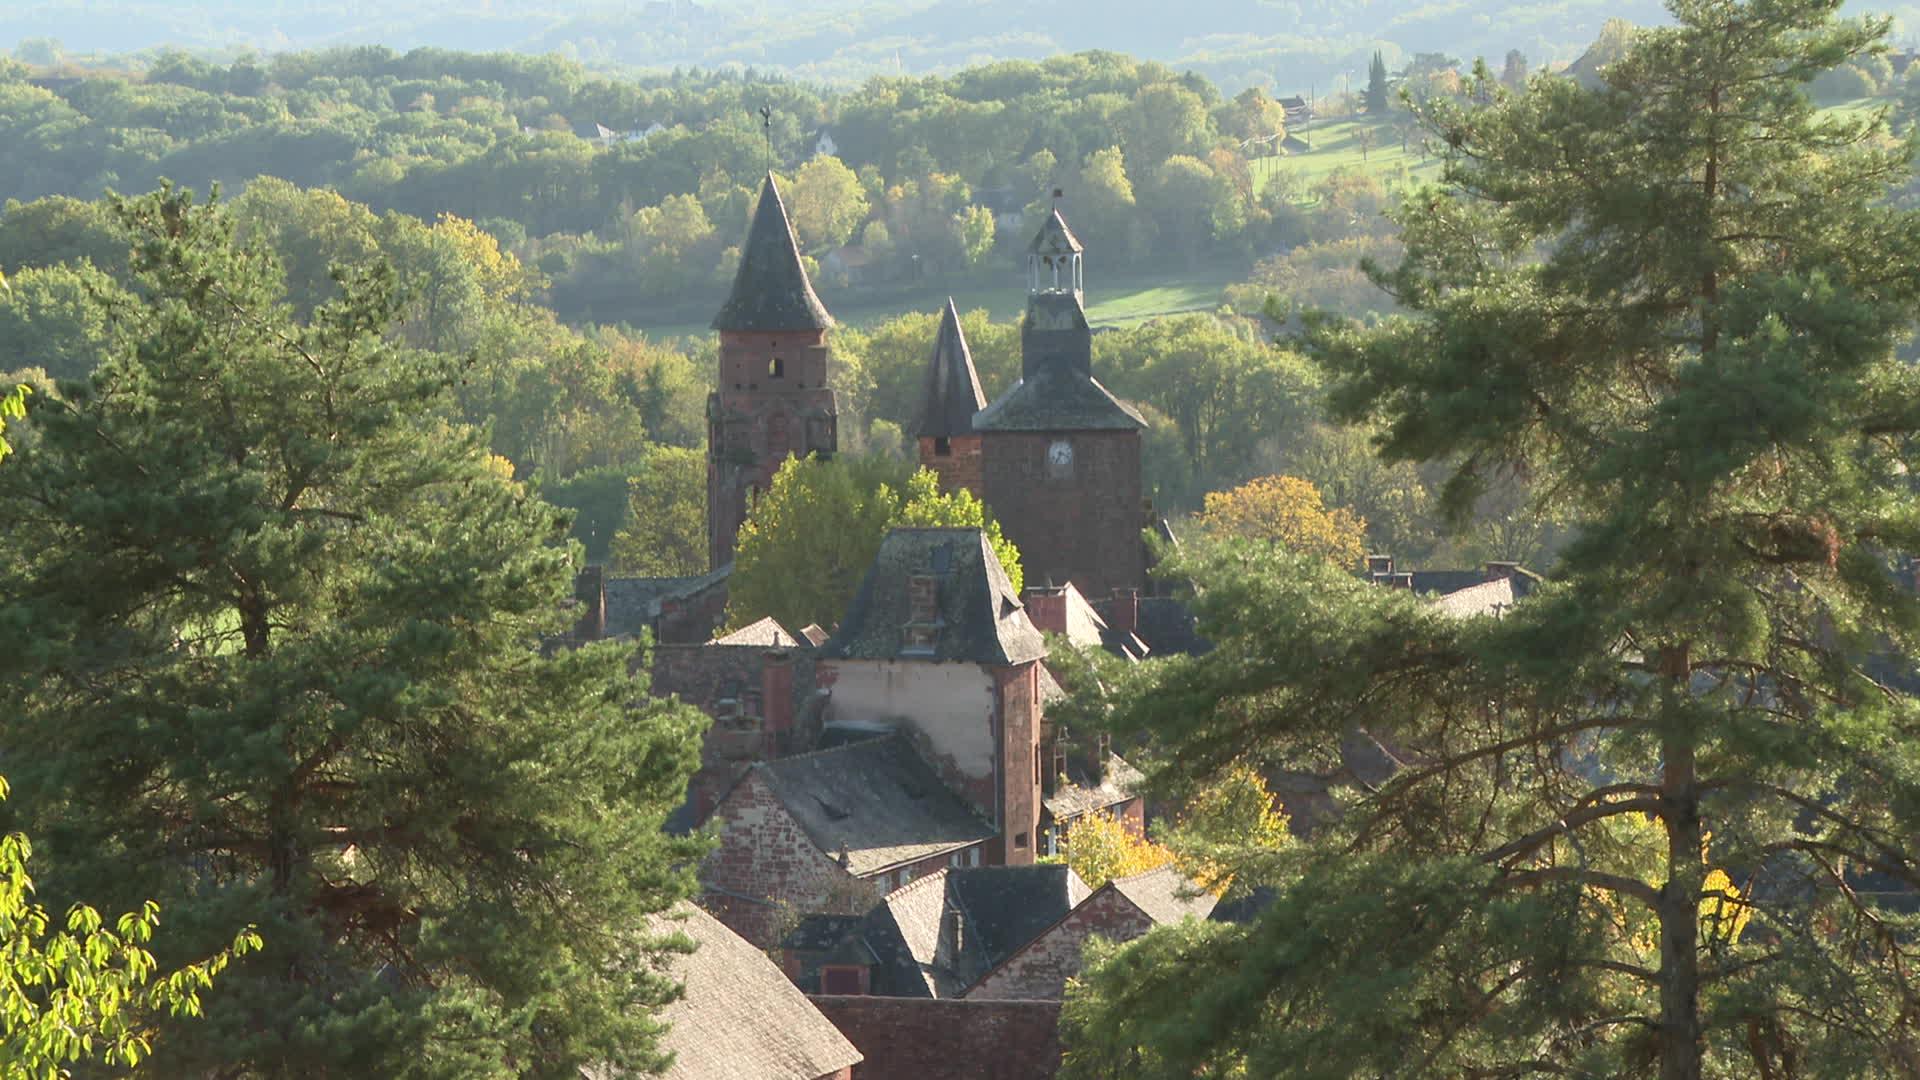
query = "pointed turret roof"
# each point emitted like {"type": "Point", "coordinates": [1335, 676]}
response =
{"type": "Point", "coordinates": [771, 290]}
{"type": "Point", "coordinates": [1054, 238]}
{"type": "Point", "coordinates": [953, 385]}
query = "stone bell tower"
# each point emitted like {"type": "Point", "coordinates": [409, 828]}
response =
{"type": "Point", "coordinates": [771, 398]}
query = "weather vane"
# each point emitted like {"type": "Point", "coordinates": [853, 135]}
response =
{"type": "Point", "coordinates": [766, 128]}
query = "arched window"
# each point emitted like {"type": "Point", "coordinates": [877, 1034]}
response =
{"type": "Point", "coordinates": [776, 368]}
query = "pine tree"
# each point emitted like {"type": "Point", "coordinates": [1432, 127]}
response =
{"type": "Point", "coordinates": [1658, 819]}
{"type": "Point", "coordinates": [271, 638]}
{"type": "Point", "coordinates": [1378, 97]}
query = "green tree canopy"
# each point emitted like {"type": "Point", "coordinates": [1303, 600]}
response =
{"type": "Point", "coordinates": [789, 566]}
{"type": "Point", "coordinates": [1627, 292]}
{"type": "Point", "coordinates": [270, 634]}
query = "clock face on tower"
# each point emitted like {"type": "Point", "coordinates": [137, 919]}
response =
{"type": "Point", "coordinates": [1060, 457]}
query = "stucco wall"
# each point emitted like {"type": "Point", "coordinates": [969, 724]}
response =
{"type": "Point", "coordinates": [948, 707]}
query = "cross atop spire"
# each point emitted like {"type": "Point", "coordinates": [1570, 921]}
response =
{"type": "Point", "coordinates": [770, 290]}
{"type": "Point", "coordinates": [952, 385]}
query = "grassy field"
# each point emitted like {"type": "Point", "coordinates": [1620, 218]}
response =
{"type": "Point", "coordinates": [1336, 146]}
{"type": "Point", "coordinates": [1120, 302]}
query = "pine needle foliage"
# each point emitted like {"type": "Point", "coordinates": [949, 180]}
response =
{"type": "Point", "coordinates": [271, 638]}
{"type": "Point", "coordinates": [1672, 302]}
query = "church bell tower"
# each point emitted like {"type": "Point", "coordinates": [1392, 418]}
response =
{"type": "Point", "coordinates": [771, 398]}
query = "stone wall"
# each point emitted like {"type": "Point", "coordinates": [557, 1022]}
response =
{"type": "Point", "coordinates": [765, 874]}
{"type": "Point", "coordinates": [960, 467]}
{"type": "Point", "coordinates": [1081, 523]}
{"type": "Point", "coordinates": [936, 1039]}
{"type": "Point", "coordinates": [1041, 968]}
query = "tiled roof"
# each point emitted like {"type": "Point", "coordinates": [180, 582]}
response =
{"type": "Point", "coordinates": [1081, 794]}
{"type": "Point", "coordinates": [1056, 397]}
{"type": "Point", "coordinates": [952, 393]}
{"type": "Point", "coordinates": [766, 631]}
{"type": "Point", "coordinates": [1165, 895]}
{"type": "Point", "coordinates": [634, 603]}
{"type": "Point", "coordinates": [999, 909]}
{"type": "Point", "coordinates": [1054, 238]}
{"type": "Point", "coordinates": [771, 290]}
{"type": "Point", "coordinates": [874, 801]}
{"type": "Point", "coordinates": [978, 616]}
{"type": "Point", "coordinates": [1487, 598]}
{"type": "Point", "coordinates": [740, 1016]}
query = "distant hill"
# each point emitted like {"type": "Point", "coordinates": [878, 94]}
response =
{"type": "Point", "coordinates": [1286, 45]}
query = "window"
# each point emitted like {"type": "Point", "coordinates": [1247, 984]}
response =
{"type": "Point", "coordinates": [841, 979]}
{"type": "Point", "coordinates": [776, 368]}
{"type": "Point", "coordinates": [1020, 841]}
{"type": "Point", "coordinates": [973, 856]}
{"type": "Point", "coordinates": [942, 446]}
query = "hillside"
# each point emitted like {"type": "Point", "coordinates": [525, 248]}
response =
{"type": "Point", "coordinates": [1289, 46]}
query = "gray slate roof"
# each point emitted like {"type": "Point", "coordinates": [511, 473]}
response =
{"type": "Point", "coordinates": [981, 619]}
{"type": "Point", "coordinates": [874, 800]}
{"type": "Point", "coordinates": [1055, 397]}
{"type": "Point", "coordinates": [953, 392]}
{"type": "Point", "coordinates": [1165, 895]}
{"type": "Point", "coordinates": [1001, 909]}
{"type": "Point", "coordinates": [634, 603]}
{"type": "Point", "coordinates": [1487, 598]}
{"type": "Point", "coordinates": [771, 290]}
{"type": "Point", "coordinates": [1054, 238]}
{"type": "Point", "coordinates": [740, 1016]}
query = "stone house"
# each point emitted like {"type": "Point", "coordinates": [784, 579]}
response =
{"type": "Point", "coordinates": [1121, 910]}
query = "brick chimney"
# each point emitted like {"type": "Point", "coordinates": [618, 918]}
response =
{"type": "Point", "coordinates": [590, 589]}
{"type": "Point", "coordinates": [1047, 607]}
{"type": "Point", "coordinates": [776, 695]}
{"type": "Point", "coordinates": [1125, 616]}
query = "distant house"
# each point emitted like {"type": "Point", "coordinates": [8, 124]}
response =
{"type": "Point", "coordinates": [823, 144]}
{"type": "Point", "coordinates": [833, 829]}
{"type": "Point", "coordinates": [740, 1017]}
{"type": "Point", "coordinates": [934, 937]}
{"type": "Point", "coordinates": [1121, 910]}
{"type": "Point", "coordinates": [852, 263]}
{"type": "Point", "coordinates": [1298, 109]}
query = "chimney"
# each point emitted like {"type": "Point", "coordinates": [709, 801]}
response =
{"type": "Point", "coordinates": [1379, 565]}
{"type": "Point", "coordinates": [590, 589]}
{"type": "Point", "coordinates": [1496, 571]}
{"type": "Point", "coordinates": [776, 693]}
{"type": "Point", "coordinates": [1047, 607]}
{"type": "Point", "coordinates": [1125, 616]}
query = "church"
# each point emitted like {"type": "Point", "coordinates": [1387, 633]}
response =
{"type": "Point", "coordinates": [1056, 459]}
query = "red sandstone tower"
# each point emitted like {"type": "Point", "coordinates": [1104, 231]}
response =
{"type": "Point", "coordinates": [771, 398]}
{"type": "Point", "coordinates": [948, 444]}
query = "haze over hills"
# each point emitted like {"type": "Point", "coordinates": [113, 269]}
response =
{"type": "Point", "coordinates": [1285, 45]}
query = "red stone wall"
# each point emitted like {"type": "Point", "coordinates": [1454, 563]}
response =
{"type": "Point", "coordinates": [959, 467]}
{"type": "Point", "coordinates": [1020, 719]}
{"type": "Point", "coordinates": [1041, 968]}
{"type": "Point", "coordinates": [1083, 526]}
{"type": "Point", "coordinates": [765, 874]}
{"type": "Point", "coordinates": [756, 419]}
{"type": "Point", "coordinates": [935, 1039]}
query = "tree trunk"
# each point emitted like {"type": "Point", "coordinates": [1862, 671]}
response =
{"type": "Point", "coordinates": [1680, 1048]}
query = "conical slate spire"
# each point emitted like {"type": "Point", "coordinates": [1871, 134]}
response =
{"type": "Point", "coordinates": [953, 386]}
{"type": "Point", "coordinates": [770, 290]}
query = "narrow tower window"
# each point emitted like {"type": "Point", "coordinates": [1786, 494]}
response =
{"type": "Point", "coordinates": [776, 368]}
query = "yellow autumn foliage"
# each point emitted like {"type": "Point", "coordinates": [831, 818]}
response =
{"type": "Point", "coordinates": [1288, 511]}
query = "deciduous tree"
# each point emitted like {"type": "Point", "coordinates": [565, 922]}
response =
{"type": "Point", "coordinates": [1287, 511]}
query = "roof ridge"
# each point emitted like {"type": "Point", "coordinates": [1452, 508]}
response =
{"type": "Point", "coordinates": [937, 875]}
{"type": "Point", "coordinates": [894, 736]}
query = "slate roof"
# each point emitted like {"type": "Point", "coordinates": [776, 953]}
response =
{"type": "Point", "coordinates": [634, 603]}
{"type": "Point", "coordinates": [1081, 794]}
{"type": "Point", "coordinates": [1168, 627]}
{"type": "Point", "coordinates": [766, 631]}
{"type": "Point", "coordinates": [771, 290]}
{"type": "Point", "coordinates": [980, 617]}
{"type": "Point", "coordinates": [1165, 895]}
{"type": "Point", "coordinates": [875, 801]}
{"type": "Point", "coordinates": [740, 1015]}
{"type": "Point", "coordinates": [1054, 238]}
{"type": "Point", "coordinates": [1001, 908]}
{"type": "Point", "coordinates": [1057, 398]}
{"type": "Point", "coordinates": [952, 392]}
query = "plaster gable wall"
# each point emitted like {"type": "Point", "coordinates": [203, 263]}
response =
{"type": "Point", "coordinates": [949, 708]}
